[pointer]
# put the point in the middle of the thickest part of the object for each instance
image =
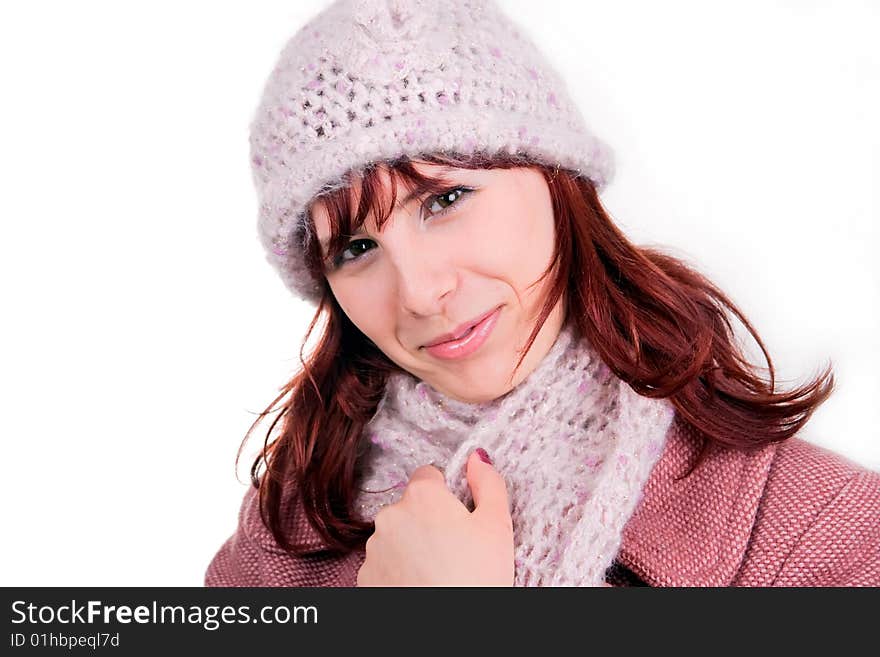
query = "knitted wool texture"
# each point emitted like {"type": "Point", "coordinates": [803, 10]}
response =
{"type": "Point", "coordinates": [790, 514]}
{"type": "Point", "coordinates": [369, 80]}
{"type": "Point", "coordinates": [573, 442]}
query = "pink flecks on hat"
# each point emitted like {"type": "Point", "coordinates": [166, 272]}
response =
{"type": "Point", "coordinates": [367, 79]}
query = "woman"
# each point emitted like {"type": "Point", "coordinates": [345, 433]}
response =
{"type": "Point", "coordinates": [507, 391]}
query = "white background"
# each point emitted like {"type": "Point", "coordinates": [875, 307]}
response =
{"type": "Point", "coordinates": [143, 329]}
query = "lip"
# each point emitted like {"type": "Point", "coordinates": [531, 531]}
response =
{"type": "Point", "coordinates": [467, 345]}
{"type": "Point", "coordinates": [447, 337]}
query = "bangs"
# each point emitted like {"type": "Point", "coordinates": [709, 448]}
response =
{"type": "Point", "coordinates": [347, 214]}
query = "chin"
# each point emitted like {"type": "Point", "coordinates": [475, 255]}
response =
{"type": "Point", "coordinates": [478, 396]}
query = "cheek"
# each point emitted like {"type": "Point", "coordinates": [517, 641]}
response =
{"type": "Point", "coordinates": [359, 300]}
{"type": "Point", "coordinates": [514, 242]}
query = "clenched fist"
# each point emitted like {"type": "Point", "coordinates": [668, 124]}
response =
{"type": "Point", "coordinates": [429, 538]}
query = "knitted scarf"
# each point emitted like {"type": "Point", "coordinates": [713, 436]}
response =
{"type": "Point", "coordinates": [573, 442]}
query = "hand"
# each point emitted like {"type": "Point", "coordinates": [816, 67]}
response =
{"type": "Point", "coordinates": [429, 538]}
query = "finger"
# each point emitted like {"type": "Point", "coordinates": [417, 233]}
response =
{"type": "Point", "coordinates": [488, 488]}
{"type": "Point", "coordinates": [426, 479]}
{"type": "Point", "coordinates": [427, 473]}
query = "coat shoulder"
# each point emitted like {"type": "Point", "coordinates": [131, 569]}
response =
{"type": "Point", "coordinates": [818, 523]}
{"type": "Point", "coordinates": [252, 557]}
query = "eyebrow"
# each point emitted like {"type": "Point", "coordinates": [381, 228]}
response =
{"type": "Point", "coordinates": [417, 191]}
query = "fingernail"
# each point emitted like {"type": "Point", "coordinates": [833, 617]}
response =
{"type": "Point", "coordinates": [484, 457]}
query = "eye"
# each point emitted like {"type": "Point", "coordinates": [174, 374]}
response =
{"type": "Point", "coordinates": [443, 203]}
{"type": "Point", "coordinates": [354, 247]}
{"type": "Point", "coordinates": [445, 200]}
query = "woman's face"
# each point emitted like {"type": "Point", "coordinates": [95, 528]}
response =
{"type": "Point", "coordinates": [427, 273]}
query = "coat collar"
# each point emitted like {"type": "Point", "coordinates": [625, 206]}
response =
{"type": "Point", "coordinates": [694, 532]}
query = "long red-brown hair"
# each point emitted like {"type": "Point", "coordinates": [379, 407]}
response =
{"type": "Point", "coordinates": [658, 324]}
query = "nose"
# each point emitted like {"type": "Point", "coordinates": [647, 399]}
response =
{"type": "Point", "coordinates": [425, 278]}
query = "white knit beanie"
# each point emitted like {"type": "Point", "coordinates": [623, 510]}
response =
{"type": "Point", "coordinates": [373, 80]}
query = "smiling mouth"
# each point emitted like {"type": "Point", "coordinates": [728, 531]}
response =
{"type": "Point", "coordinates": [463, 334]}
{"type": "Point", "coordinates": [468, 342]}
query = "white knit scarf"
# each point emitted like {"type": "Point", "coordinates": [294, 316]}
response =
{"type": "Point", "coordinates": [573, 442]}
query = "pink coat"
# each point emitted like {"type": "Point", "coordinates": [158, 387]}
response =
{"type": "Point", "coordinates": [789, 514]}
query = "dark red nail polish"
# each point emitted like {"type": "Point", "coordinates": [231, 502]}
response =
{"type": "Point", "coordinates": [484, 456]}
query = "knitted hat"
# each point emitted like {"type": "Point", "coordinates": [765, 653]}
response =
{"type": "Point", "coordinates": [372, 80]}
